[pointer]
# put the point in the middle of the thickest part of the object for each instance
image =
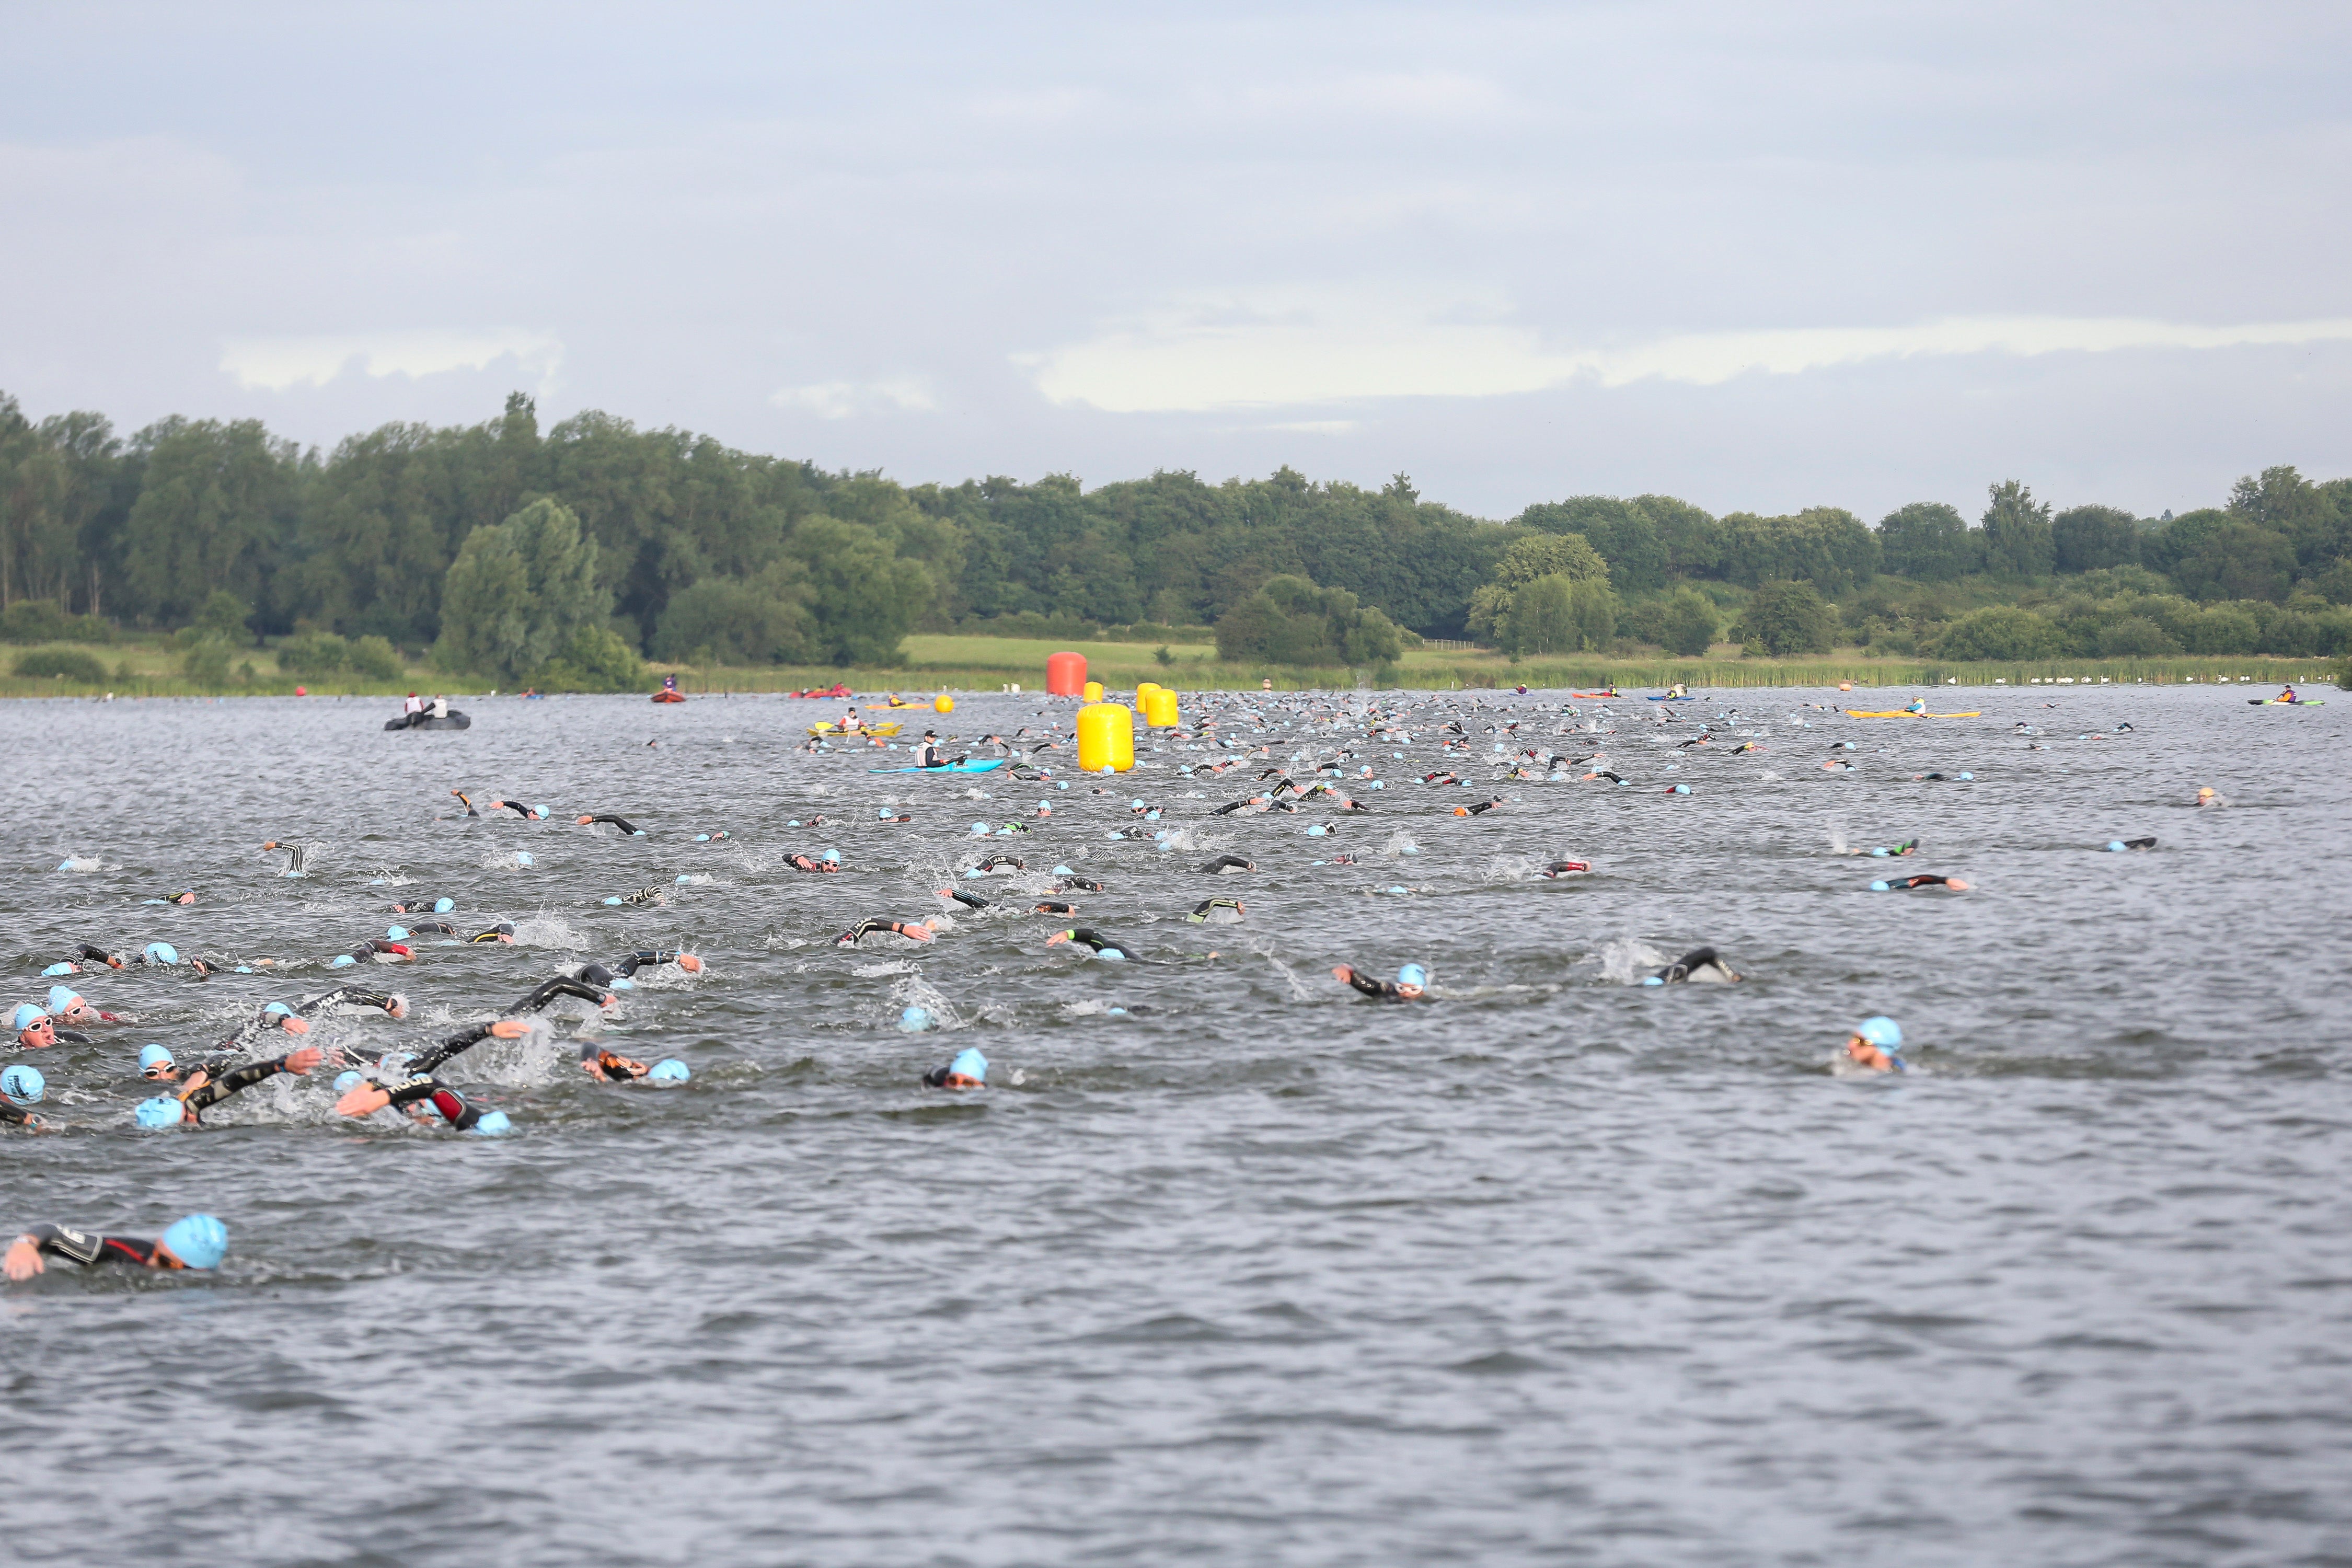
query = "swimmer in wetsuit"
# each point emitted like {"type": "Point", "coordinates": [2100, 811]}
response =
{"type": "Point", "coordinates": [198, 1241]}
{"type": "Point", "coordinates": [68, 1006]}
{"type": "Point", "coordinates": [207, 1088]}
{"type": "Point", "coordinates": [1226, 865]}
{"type": "Point", "coordinates": [1094, 942]}
{"type": "Point", "coordinates": [297, 856]}
{"type": "Point", "coordinates": [829, 861]}
{"type": "Point", "coordinates": [913, 931]}
{"type": "Point", "coordinates": [529, 813]}
{"type": "Point", "coordinates": [375, 947]}
{"type": "Point", "coordinates": [1565, 868]}
{"type": "Point", "coordinates": [1412, 984]}
{"type": "Point", "coordinates": [628, 829]}
{"type": "Point", "coordinates": [1899, 884]}
{"type": "Point", "coordinates": [612, 972]}
{"type": "Point", "coordinates": [1700, 963]}
{"type": "Point", "coordinates": [1484, 805]}
{"type": "Point", "coordinates": [1877, 1046]}
{"type": "Point", "coordinates": [1220, 911]}
{"type": "Point", "coordinates": [968, 1070]}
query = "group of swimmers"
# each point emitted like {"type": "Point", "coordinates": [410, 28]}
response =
{"type": "Point", "coordinates": [411, 1083]}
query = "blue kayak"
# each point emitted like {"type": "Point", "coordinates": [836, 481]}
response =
{"type": "Point", "coordinates": [984, 765]}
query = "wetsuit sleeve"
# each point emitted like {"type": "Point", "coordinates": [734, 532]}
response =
{"type": "Point", "coordinates": [623, 823]}
{"type": "Point", "coordinates": [15, 1117]}
{"type": "Point", "coordinates": [971, 900]}
{"type": "Point", "coordinates": [430, 1061]}
{"type": "Point", "coordinates": [351, 994]}
{"type": "Point", "coordinates": [1365, 984]}
{"type": "Point", "coordinates": [74, 1036]}
{"type": "Point", "coordinates": [548, 991]}
{"type": "Point", "coordinates": [82, 1247]}
{"type": "Point", "coordinates": [236, 1080]}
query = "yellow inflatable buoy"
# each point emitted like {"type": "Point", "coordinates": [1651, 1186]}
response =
{"type": "Point", "coordinates": [943, 703]}
{"type": "Point", "coordinates": [1106, 738]}
{"type": "Point", "coordinates": [1092, 691]}
{"type": "Point", "coordinates": [1160, 709]}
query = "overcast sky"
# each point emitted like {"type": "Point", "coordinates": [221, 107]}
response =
{"type": "Point", "coordinates": [1759, 256]}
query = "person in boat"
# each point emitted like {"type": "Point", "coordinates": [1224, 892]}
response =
{"type": "Point", "coordinates": [669, 684]}
{"type": "Point", "coordinates": [440, 708]}
{"type": "Point", "coordinates": [1916, 705]}
{"type": "Point", "coordinates": [929, 754]}
{"type": "Point", "coordinates": [411, 707]}
{"type": "Point", "coordinates": [198, 1241]}
{"type": "Point", "coordinates": [851, 725]}
{"type": "Point", "coordinates": [1678, 689]}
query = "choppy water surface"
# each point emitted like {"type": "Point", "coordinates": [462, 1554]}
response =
{"type": "Point", "coordinates": [1558, 1267]}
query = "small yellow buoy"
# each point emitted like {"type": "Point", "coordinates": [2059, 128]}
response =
{"type": "Point", "coordinates": [1092, 691]}
{"type": "Point", "coordinates": [943, 703]}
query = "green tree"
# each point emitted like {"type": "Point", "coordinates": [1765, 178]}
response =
{"type": "Point", "coordinates": [2093, 538]}
{"type": "Point", "coordinates": [1929, 542]}
{"type": "Point", "coordinates": [1620, 530]}
{"type": "Point", "coordinates": [864, 599]}
{"type": "Point", "coordinates": [216, 503]}
{"type": "Point", "coordinates": [1289, 620]}
{"type": "Point", "coordinates": [1689, 625]}
{"type": "Point", "coordinates": [595, 658]}
{"type": "Point", "coordinates": [2017, 532]}
{"type": "Point", "coordinates": [2214, 554]}
{"type": "Point", "coordinates": [2134, 636]}
{"type": "Point", "coordinates": [731, 620]}
{"type": "Point", "coordinates": [1786, 618]}
{"type": "Point", "coordinates": [2000, 632]}
{"type": "Point", "coordinates": [223, 616]}
{"type": "Point", "coordinates": [518, 593]}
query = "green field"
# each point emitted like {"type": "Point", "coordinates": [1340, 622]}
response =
{"type": "Point", "coordinates": [149, 667]}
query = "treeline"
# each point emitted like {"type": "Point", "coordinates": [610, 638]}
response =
{"type": "Point", "coordinates": [588, 544]}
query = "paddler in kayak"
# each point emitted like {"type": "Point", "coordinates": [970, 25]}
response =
{"type": "Point", "coordinates": [1916, 705]}
{"type": "Point", "coordinates": [928, 753]}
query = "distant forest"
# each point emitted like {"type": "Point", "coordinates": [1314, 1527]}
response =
{"type": "Point", "coordinates": [673, 544]}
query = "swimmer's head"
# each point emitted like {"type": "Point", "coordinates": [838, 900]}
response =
{"type": "Point", "coordinates": [21, 1085]}
{"type": "Point", "coordinates": [492, 1123]}
{"type": "Point", "coordinates": [395, 933]}
{"type": "Point", "coordinates": [154, 1061]}
{"type": "Point", "coordinates": [831, 857]}
{"type": "Point", "coordinates": [196, 1241]}
{"type": "Point", "coordinates": [160, 953]}
{"type": "Point", "coordinates": [443, 906]}
{"type": "Point", "coordinates": [349, 1080]}
{"type": "Point", "coordinates": [1881, 1031]}
{"type": "Point", "coordinates": [161, 1111]}
{"type": "Point", "coordinates": [969, 1063]}
{"type": "Point", "coordinates": [915, 1020]}
{"type": "Point", "coordinates": [1411, 980]}
{"type": "Point", "coordinates": [27, 1016]}
{"type": "Point", "coordinates": [63, 999]}
{"type": "Point", "coordinates": [669, 1069]}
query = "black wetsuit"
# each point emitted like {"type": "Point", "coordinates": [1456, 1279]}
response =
{"type": "Point", "coordinates": [547, 990]}
{"type": "Point", "coordinates": [643, 896]}
{"type": "Point", "coordinates": [16, 1116]}
{"type": "Point", "coordinates": [999, 862]}
{"type": "Point", "coordinates": [1690, 963]}
{"type": "Point", "coordinates": [1202, 910]}
{"type": "Point", "coordinates": [1482, 805]}
{"type": "Point", "coordinates": [453, 1107]}
{"type": "Point", "coordinates": [800, 862]}
{"type": "Point", "coordinates": [869, 927]}
{"type": "Point", "coordinates": [1386, 989]}
{"type": "Point", "coordinates": [502, 932]}
{"type": "Point", "coordinates": [519, 810]}
{"type": "Point", "coordinates": [88, 1246]}
{"type": "Point", "coordinates": [1079, 882]}
{"type": "Point", "coordinates": [623, 967]}
{"type": "Point", "coordinates": [235, 1080]}
{"type": "Point", "coordinates": [623, 823]}
{"type": "Point", "coordinates": [1095, 941]}
{"type": "Point", "coordinates": [1224, 863]}
{"type": "Point", "coordinates": [2148, 843]}
{"type": "Point", "coordinates": [1919, 881]}
{"type": "Point", "coordinates": [970, 901]}
{"type": "Point", "coordinates": [416, 906]}
{"type": "Point", "coordinates": [364, 952]}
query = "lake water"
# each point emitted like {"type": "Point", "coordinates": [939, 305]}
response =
{"type": "Point", "coordinates": [1558, 1267]}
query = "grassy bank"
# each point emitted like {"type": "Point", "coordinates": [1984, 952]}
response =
{"type": "Point", "coordinates": [151, 668]}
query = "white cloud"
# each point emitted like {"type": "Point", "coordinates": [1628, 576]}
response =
{"type": "Point", "coordinates": [1281, 351]}
{"type": "Point", "coordinates": [278, 364]}
{"type": "Point", "coordinates": [843, 399]}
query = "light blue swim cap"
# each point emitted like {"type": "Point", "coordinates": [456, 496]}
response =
{"type": "Point", "coordinates": [161, 952]}
{"type": "Point", "coordinates": [975, 871]}
{"type": "Point", "coordinates": [615, 900]}
{"type": "Point", "coordinates": [980, 827]}
{"type": "Point", "coordinates": [622, 983]}
{"type": "Point", "coordinates": [1652, 980]}
{"type": "Point", "coordinates": [1058, 784]}
{"type": "Point", "coordinates": [1397, 889]}
{"type": "Point", "coordinates": [796, 822]}
{"type": "Point", "coordinates": [2116, 845]}
{"type": "Point", "coordinates": [347, 1082]}
{"type": "Point", "coordinates": [915, 1019]}
{"type": "Point", "coordinates": [1880, 851]}
{"type": "Point", "coordinates": [341, 961]}
{"type": "Point", "coordinates": [443, 906]}
{"type": "Point", "coordinates": [970, 1064]}
{"type": "Point", "coordinates": [1878, 886]}
{"type": "Point", "coordinates": [26, 1015]}
{"type": "Point", "coordinates": [1316, 830]}
{"type": "Point", "coordinates": [161, 1111]}
{"type": "Point", "coordinates": [491, 1124]}
{"type": "Point", "coordinates": [1377, 785]}
{"type": "Point", "coordinates": [22, 1085]}
{"type": "Point", "coordinates": [1969, 777]}
{"type": "Point", "coordinates": [1682, 789]}
{"type": "Point", "coordinates": [831, 857]}
{"type": "Point", "coordinates": [198, 1240]}
{"type": "Point", "coordinates": [154, 1055]}
{"type": "Point", "coordinates": [1881, 1031]}
{"type": "Point", "coordinates": [1112, 955]}
{"type": "Point", "coordinates": [392, 1064]}
{"type": "Point", "coordinates": [541, 810]}
{"type": "Point", "coordinates": [55, 968]}
{"type": "Point", "coordinates": [62, 998]}
{"type": "Point", "coordinates": [395, 933]}
{"type": "Point", "coordinates": [705, 837]}
{"type": "Point", "coordinates": [669, 1069]}
{"type": "Point", "coordinates": [522, 857]}
{"type": "Point", "coordinates": [1062, 871]}
{"type": "Point", "coordinates": [881, 811]}
{"type": "Point", "coordinates": [1413, 974]}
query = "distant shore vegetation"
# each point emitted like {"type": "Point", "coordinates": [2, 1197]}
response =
{"type": "Point", "coordinates": [565, 558]}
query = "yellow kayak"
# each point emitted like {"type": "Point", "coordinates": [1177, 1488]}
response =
{"type": "Point", "coordinates": [1906, 713]}
{"type": "Point", "coordinates": [829, 728]}
{"type": "Point", "coordinates": [894, 702]}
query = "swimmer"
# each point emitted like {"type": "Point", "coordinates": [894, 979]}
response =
{"type": "Point", "coordinates": [375, 947]}
{"type": "Point", "coordinates": [2207, 795]}
{"type": "Point", "coordinates": [502, 933]}
{"type": "Point", "coordinates": [969, 1070]}
{"type": "Point", "coordinates": [628, 829]}
{"type": "Point", "coordinates": [297, 856]}
{"type": "Point", "coordinates": [21, 1088]}
{"type": "Point", "coordinates": [1226, 865]}
{"type": "Point", "coordinates": [1069, 879]}
{"type": "Point", "coordinates": [527, 813]}
{"type": "Point", "coordinates": [825, 863]}
{"type": "Point", "coordinates": [1877, 1046]}
{"type": "Point", "coordinates": [422, 906]}
{"type": "Point", "coordinates": [424, 1097]}
{"type": "Point", "coordinates": [913, 931]}
{"type": "Point", "coordinates": [1898, 883]}
{"type": "Point", "coordinates": [1094, 942]}
{"type": "Point", "coordinates": [467, 801]}
{"type": "Point", "coordinates": [67, 1007]}
{"type": "Point", "coordinates": [1411, 984]}
{"type": "Point", "coordinates": [1001, 862]}
{"type": "Point", "coordinates": [2119, 845]}
{"type": "Point", "coordinates": [206, 1090]}
{"type": "Point", "coordinates": [1484, 805]}
{"type": "Point", "coordinates": [198, 1241]}
{"type": "Point", "coordinates": [610, 1067]}
{"type": "Point", "coordinates": [1700, 965]}
{"type": "Point", "coordinates": [1565, 868]}
{"type": "Point", "coordinates": [85, 956]}
{"type": "Point", "coordinates": [609, 973]}
{"type": "Point", "coordinates": [1908, 847]}
{"type": "Point", "coordinates": [1220, 911]}
{"type": "Point", "coordinates": [656, 895]}
{"type": "Point", "coordinates": [882, 813]}
{"type": "Point", "coordinates": [186, 897]}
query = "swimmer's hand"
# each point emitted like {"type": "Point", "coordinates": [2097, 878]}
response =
{"type": "Point", "coordinates": [1343, 973]}
{"type": "Point", "coordinates": [516, 1028]}
{"type": "Point", "coordinates": [690, 963]}
{"type": "Point", "coordinates": [23, 1258]}
{"type": "Point", "coordinates": [302, 1061]}
{"type": "Point", "coordinates": [364, 1100]}
{"type": "Point", "coordinates": [294, 1026]}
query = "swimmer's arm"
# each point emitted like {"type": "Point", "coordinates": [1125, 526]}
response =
{"type": "Point", "coordinates": [236, 1080]}
{"type": "Point", "coordinates": [1360, 981]}
{"type": "Point", "coordinates": [23, 1258]}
